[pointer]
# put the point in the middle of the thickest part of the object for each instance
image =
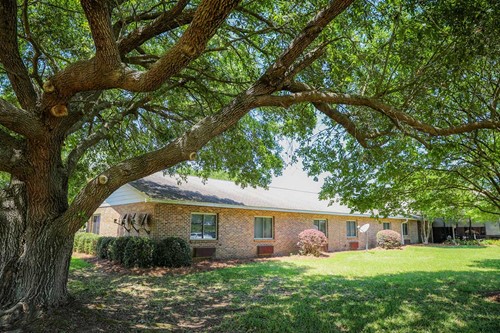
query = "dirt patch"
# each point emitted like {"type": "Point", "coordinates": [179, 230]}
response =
{"type": "Point", "coordinates": [493, 296]}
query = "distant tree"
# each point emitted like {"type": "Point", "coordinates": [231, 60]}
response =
{"type": "Point", "coordinates": [98, 93]}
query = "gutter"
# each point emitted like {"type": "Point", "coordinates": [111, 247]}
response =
{"type": "Point", "coordinates": [284, 210]}
{"type": "Point", "coordinates": [403, 236]}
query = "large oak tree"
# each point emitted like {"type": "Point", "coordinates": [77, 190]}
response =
{"type": "Point", "coordinates": [98, 93]}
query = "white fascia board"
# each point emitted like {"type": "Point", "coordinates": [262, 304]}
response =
{"type": "Point", "coordinates": [284, 210]}
{"type": "Point", "coordinates": [144, 196]}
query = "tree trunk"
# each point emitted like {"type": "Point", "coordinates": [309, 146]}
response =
{"type": "Point", "coordinates": [426, 230]}
{"type": "Point", "coordinates": [33, 276]}
{"type": "Point", "coordinates": [35, 253]}
{"type": "Point", "coordinates": [453, 233]}
{"type": "Point", "coordinates": [425, 238]}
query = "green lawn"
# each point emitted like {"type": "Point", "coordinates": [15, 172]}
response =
{"type": "Point", "coordinates": [418, 289]}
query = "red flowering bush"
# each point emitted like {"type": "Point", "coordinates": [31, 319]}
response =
{"type": "Point", "coordinates": [388, 239]}
{"type": "Point", "coordinates": [311, 241]}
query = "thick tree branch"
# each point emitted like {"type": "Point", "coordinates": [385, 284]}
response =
{"type": "Point", "coordinates": [307, 60]}
{"type": "Point", "coordinates": [19, 121]}
{"type": "Point", "coordinates": [376, 105]}
{"type": "Point", "coordinates": [276, 74]}
{"type": "Point", "coordinates": [207, 19]}
{"type": "Point", "coordinates": [83, 76]}
{"type": "Point", "coordinates": [98, 16]}
{"type": "Point", "coordinates": [10, 58]}
{"type": "Point", "coordinates": [86, 76]}
{"type": "Point", "coordinates": [361, 135]}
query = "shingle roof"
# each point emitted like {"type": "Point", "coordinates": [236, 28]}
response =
{"type": "Point", "coordinates": [225, 193]}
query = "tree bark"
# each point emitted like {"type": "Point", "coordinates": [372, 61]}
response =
{"type": "Point", "coordinates": [34, 245]}
{"type": "Point", "coordinates": [453, 233]}
{"type": "Point", "coordinates": [426, 227]}
{"type": "Point", "coordinates": [34, 262]}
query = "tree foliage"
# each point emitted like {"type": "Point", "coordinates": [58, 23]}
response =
{"type": "Point", "coordinates": [451, 77]}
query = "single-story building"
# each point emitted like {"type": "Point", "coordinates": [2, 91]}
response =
{"type": "Point", "coordinates": [441, 230]}
{"type": "Point", "coordinates": [220, 219]}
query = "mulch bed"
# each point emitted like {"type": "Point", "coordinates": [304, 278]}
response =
{"type": "Point", "coordinates": [198, 266]}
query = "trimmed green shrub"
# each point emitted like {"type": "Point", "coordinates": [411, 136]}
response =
{"type": "Point", "coordinates": [491, 242]}
{"type": "Point", "coordinates": [85, 243]}
{"type": "Point", "coordinates": [78, 242]}
{"type": "Point", "coordinates": [138, 252]}
{"type": "Point", "coordinates": [172, 252]}
{"type": "Point", "coordinates": [311, 241]}
{"type": "Point", "coordinates": [102, 247]}
{"type": "Point", "coordinates": [388, 239]}
{"type": "Point", "coordinates": [116, 248]}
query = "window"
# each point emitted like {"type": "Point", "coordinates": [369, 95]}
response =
{"type": "Point", "coordinates": [203, 226]}
{"type": "Point", "coordinates": [405, 229]}
{"type": "Point", "coordinates": [263, 228]}
{"type": "Point", "coordinates": [95, 224]}
{"type": "Point", "coordinates": [322, 226]}
{"type": "Point", "coordinates": [352, 231]}
{"type": "Point", "coordinates": [387, 226]}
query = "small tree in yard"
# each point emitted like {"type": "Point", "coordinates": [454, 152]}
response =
{"type": "Point", "coordinates": [311, 241]}
{"type": "Point", "coordinates": [388, 239]}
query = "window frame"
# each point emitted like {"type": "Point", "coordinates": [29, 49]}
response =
{"type": "Point", "coordinates": [403, 229]}
{"type": "Point", "coordinates": [93, 224]}
{"type": "Point", "coordinates": [272, 227]}
{"type": "Point", "coordinates": [355, 229]}
{"type": "Point", "coordinates": [326, 225]}
{"type": "Point", "coordinates": [202, 227]}
{"type": "Point", "coordinates": [383, 226]}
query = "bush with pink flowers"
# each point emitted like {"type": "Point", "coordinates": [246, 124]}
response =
{"type": "Point", "coordinates": [311, 241]}
{"type": "Point", "coordinates": [388, 239]}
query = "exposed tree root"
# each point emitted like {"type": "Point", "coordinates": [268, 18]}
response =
{"type": "Point", "coordinates": [15, 316]}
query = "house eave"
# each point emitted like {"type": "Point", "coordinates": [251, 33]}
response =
{"type": "Point", "coordinates": [284, 210]}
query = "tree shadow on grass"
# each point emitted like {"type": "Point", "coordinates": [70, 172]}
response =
{"type": "Point", "coordinates": [278, 296]}
{"type": "Point", "coordinates": [457, 247]}
{"type": "Point", "coordinates": [487, 263]}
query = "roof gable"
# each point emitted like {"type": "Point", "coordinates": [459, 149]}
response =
{"type": "Point", "coordinates": [126, 194]}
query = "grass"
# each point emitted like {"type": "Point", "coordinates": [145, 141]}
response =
{"type": "Point", "coordinates": [418, 289]}
{"type": "Point", "coordinates": [77, 264]}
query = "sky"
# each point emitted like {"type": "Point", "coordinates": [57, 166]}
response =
{"type": "Point", "coordinates": [295, 178]}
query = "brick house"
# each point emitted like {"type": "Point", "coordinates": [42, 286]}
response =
{"type": "Point", "coordinates": [220, 219]}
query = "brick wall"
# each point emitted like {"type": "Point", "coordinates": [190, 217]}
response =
{"type": "Point", "coordinates": [236, 229]}
{"type": "Point", "coordinates": [109, 214]}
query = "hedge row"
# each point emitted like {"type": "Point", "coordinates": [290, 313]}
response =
{"type": "Point", "coordinates": [85, 243]}
{"type": "Point", "coordinates": [136, 251]}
